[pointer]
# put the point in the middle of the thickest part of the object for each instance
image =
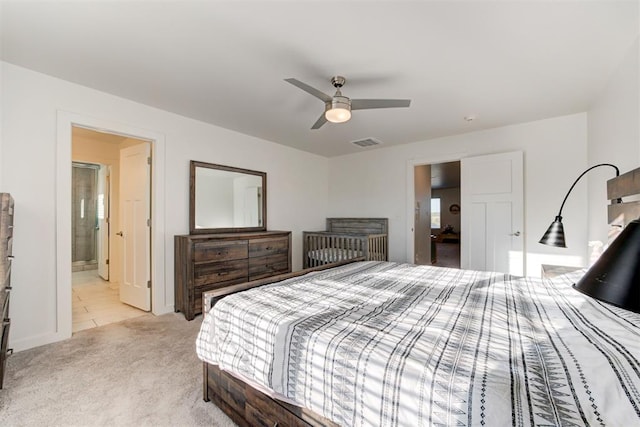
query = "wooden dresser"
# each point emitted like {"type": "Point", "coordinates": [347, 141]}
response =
{"type": "Point", "coordinates": [6, 254]}
{"type": "Point", "coordinates": [212, 261]}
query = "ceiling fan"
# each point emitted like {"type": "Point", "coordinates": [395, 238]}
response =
{"type": "Point", "coordinates": [337, 108]}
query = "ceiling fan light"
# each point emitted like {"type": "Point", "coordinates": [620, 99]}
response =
{"type": "Point", "coordinates": [337, 115]}
{"type": "Point", "coordinates": [339, 110]}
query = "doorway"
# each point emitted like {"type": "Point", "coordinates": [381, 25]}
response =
{"type": "Point", "coordinates": [445, 214]}
{"type": "Point", "coordinates": [490, 209]}
{"type": "Point", "coordinates": [437, 214]}
{"type": "Point", "coordinates": [99, 262]}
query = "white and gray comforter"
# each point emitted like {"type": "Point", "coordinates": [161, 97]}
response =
{"type": "Point", "coordinates": [387, 344]}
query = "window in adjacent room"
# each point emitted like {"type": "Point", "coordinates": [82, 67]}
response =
{"type": "Point", "coordinates": [435, 212]}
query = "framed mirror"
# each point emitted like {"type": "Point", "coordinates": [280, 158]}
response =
{"type": "Point", "coordinates": [226, 199]}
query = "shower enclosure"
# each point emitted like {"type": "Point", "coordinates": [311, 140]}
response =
{"type": "Point", "coordinates": [84, 221]}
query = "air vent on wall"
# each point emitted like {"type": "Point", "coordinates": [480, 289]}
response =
{"type": "Point", "coordinates": [366, 142]}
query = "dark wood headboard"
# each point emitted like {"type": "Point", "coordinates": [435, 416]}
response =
{"type": "Point", "coordinates": [358, 225]}
{"type": "Point", "coordinates": [625, 185]}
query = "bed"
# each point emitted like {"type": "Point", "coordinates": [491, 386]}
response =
{"type": "Point", "coordinates": [346, 239]}
{"type": "Point", "coordinates": [374, 343]}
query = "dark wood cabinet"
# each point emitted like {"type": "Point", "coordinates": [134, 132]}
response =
{"type": "Point", "coordinates": [212, 261]}
{"type": "Point", "coordinates": [6, 255]}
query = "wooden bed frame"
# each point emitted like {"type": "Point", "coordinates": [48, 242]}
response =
{"type": "Point", "coordinates": [625, 185]}
{"type": "Point", "coordinates": [346, 238]}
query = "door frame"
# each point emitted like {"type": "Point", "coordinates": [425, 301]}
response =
{"type": "Point", "coordinates": [65, 121]}
{"type": "Point", "coordinates": [107, 184]}
{"type": "Point", "coordinates": [411, 194]}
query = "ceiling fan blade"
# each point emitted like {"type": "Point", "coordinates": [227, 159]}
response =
{"type": "Point", "coordinates": [311, 90]}
{"type": "Point", "coordinates": [365, 104]}
{"type": "Point", "coordinates": [321, 120]}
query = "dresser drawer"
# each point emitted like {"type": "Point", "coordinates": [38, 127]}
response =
{"type": "Point", "coordinates": [261, 412]}
{"type": "Point", "coordinates": [5, 270]}
{"type": "Point", "coordinates": [269, 246]}
{"type": "Point", "coordinates": [4, 298]}
{"type": "Point", "coordinates": [4, 340]}
{"type": "Point", "coordinates": [223, 271]}
{"type": "Point", "coordinates": [220, 250]}
{"type": "Point", "coordinates": [9, 246]}
{"type": "Point", "coordinates": [268, 266]}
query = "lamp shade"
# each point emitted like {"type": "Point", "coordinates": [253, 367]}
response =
{"type": "Point", "coordinates": [615, 277]}
{"type": "Point", "coordinates": [554, 236]}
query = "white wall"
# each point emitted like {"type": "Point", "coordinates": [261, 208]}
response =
{"type": "Point", "coordinates": [297, 190]}
{"type": "Point", "coordinates": [614, 136]}
{"type": "Point", "coordinates": [374, 183]}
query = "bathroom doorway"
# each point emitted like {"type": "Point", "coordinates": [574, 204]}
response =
{"type": "Point", "coordinates": [97, 245]}
{"type": "Point", "coordinates": [437, 214]}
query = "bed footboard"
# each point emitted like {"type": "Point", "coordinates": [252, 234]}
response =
{"type": "Point", "coordinates": [249, 407]}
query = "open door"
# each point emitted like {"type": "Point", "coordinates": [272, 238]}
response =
{"type": "Point", "coordinates": [135, 219]}
{"type": "Point", "coordinates": [492, 201]}
{"type": "Point", "coordinates": [422, 215]}
{"type": "Point", "coordinates": [103, 222]}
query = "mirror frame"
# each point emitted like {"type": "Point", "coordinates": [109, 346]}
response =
{"type": "Point", "coordinates": [192, 198]}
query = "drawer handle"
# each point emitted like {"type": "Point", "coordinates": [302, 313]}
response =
{"type": "Point", "coordinates": [5, 322]}
{"type": "Point", "coordinates": [223, 273]}
{"type": "Point", "coordinates": [10, 256]}
{"type": "Point", "coordinates": [269, 248]}
{"type": "Point", "coordinates": [10, 352]}
{"type": "Point", "coordinates": [7, 288]}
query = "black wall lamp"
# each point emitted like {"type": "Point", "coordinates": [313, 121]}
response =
{"type": "Point", "coordinates": [615, 277]}
{"type": "Point", "coordinates": [554, 236]}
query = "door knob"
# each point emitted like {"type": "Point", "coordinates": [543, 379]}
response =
{"type": "Point", "coordinates": [119, 233]}
{"type": "Point", "coordinates": [517, 233]}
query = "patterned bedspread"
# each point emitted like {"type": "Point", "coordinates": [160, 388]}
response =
{"type": "Point", "coordinates": [387, 344]}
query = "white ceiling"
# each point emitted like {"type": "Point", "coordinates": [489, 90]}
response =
{"type": "Point", "coordinates": [224, 62]}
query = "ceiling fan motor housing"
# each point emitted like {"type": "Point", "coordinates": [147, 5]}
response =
{"type": "Point", "coordinates": [340, 102]}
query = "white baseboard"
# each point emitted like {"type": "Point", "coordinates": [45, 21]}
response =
{"type": "Point", "coordinates": [163, 310]}
{"type": "Point", "coordinates": [36, 341]}
{"type": "Point", "coordinates": [44, 339]}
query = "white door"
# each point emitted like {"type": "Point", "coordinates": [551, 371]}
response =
{"type": "Point", "coordinates": [492, 213]}
{"type": "Point", "coordinates": [135, 231]}
{"type": "Point", "coordinates": [103, 222]}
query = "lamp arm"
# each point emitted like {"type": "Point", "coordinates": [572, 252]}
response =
{"type": "Point", "coordinates": [578, 179]}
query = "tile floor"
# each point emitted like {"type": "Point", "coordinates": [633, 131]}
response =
{"type": "Point", "coordinates": [96, 302]}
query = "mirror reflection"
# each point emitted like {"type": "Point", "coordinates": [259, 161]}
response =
{"type": "Point", "coordinates": [226, 198]}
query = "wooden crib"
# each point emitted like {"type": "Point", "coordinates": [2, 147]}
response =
{"type": "Point", "coordinates": [345, 239]}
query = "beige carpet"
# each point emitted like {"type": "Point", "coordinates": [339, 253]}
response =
{"type": "Point", "coordinates": [139, 372]}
